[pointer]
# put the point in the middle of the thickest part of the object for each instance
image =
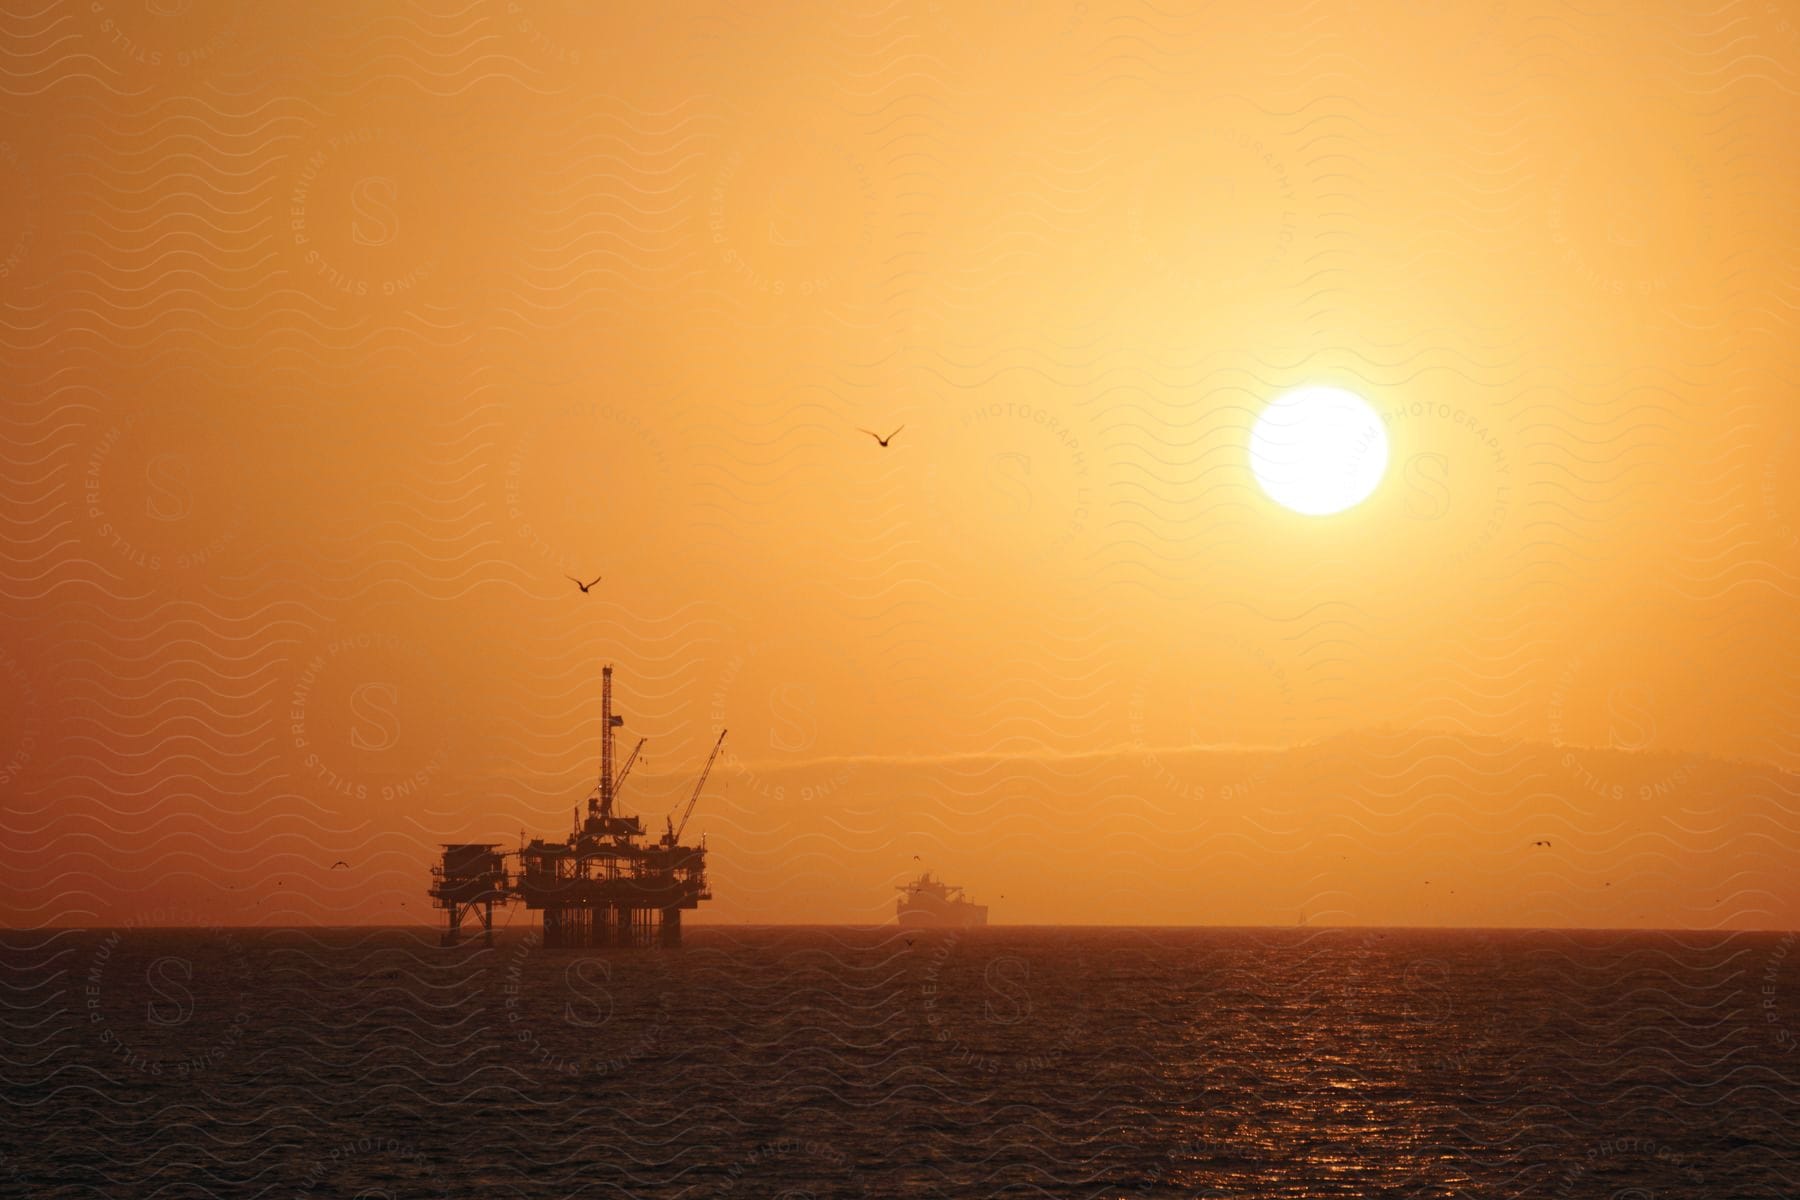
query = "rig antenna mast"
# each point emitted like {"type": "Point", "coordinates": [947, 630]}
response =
{"type": "Point", "coordinates": [608, 724]}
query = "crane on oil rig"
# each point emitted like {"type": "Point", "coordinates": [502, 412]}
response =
{"type": "Point", "coordinates": [626, 769]}
{"type": "Point", "coordinates": [673, 836]}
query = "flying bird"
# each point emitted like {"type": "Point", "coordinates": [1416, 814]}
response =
{"type": "Point", "coordinates": [583, 586]}
{"type": "Point", "coordinates": [1542, 842]}
{"type": "Point", "coordinates": [340, 863]}
{"type": "Point", "coordinates": [883, 440]}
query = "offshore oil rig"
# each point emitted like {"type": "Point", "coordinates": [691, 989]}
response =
{"type": "Point", "coordinates": [603, 885]}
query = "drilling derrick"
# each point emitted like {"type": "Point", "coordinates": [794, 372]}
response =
{"type": "Point", "coordinates": [600, 886]}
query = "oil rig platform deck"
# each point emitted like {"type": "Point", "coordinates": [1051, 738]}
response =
{"type": "Point", "coordinates": [603, 885]}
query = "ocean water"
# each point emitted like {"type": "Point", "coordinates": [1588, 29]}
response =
{"type": "Point", "coordinates": [822, 1062]}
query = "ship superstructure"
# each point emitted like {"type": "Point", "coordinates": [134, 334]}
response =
{"type": "Point", "coordinates": [929, 902]}
{"type": "Point", "coordinates": [602, 885]}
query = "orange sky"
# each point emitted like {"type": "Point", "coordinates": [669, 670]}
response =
{"type": "Point", "coordinates": [333, 342]}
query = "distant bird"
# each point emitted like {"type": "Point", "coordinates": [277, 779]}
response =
{"type": "Point", "coordinates": [909, 941]}
{"type": "Point", "coordinates": [915, 858]}
{"type": "Point", "coordinates": [1542, 842]}
{"type": "Point", "coordinates": [340, 863]}
{"type": "Point", "coordinates": [883, 440]}
{"type": "Point", "coordinates": [583, 586]}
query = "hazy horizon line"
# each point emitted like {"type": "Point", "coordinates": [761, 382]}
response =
{"type": "Point", "coordinates": [1050, 753]}
{"type": "Point", "coordinates": [476, 936]}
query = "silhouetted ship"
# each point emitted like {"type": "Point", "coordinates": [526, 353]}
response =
{"type": "Point", "coordinates": [935, 904]}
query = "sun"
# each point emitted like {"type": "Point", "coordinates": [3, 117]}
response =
{"type": "Point", "coordinates": [1318, 450]}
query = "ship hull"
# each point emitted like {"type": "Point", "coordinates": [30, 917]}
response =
{"type": "Point", "coordinates": [944, 916]}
